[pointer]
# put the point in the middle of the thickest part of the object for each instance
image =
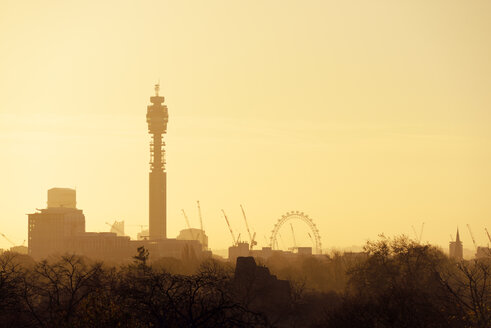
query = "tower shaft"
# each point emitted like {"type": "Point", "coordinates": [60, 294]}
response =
{"type": "Point", "coordinates": [157, 117]}
{"type": "Point", "coordinates": [157, 224]}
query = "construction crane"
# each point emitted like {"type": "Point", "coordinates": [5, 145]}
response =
{"type": "Point", "coordinates": [251, 238]}
{"type": "Point", "coordinates": [200, 217]}
{"type": "Point", "coordinates": [472, 236]}
{"type": "Point", "coordinates": [487, 233]}
{"type": "Point", "coordinates": [420, 235]}
{"type": "Point", "coordinates": [188, 224]}
{"type": "Point", "coordinates": [294, 240]}
{"type": "Point", "coordinates": [415, 233]}
{"type": "Point", "coordinates": [229, 228]}
{"type": "Point", "coordinates": [10, 241]}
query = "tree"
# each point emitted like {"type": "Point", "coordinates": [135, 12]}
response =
{"type": "Point", "coordinates": [398, 286]}
{"type": "Point", "coordinates": [53, 292]}
{"type": "Point", "coordinates": [469, 287]}
{"type": "Point", "coordinates": [142, 257]}
{"type": "Point", "coordinates": [11, 276]}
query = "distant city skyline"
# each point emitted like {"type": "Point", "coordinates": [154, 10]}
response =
{"type": "Point", "coordinates": [369, 117]}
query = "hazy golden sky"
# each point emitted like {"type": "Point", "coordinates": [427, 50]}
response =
{"type": "Point", "coordinates": [370, 116]}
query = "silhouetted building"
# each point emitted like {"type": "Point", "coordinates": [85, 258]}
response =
{"type": "Point", "coordinates": [60, 230]}
{"type": "Point", "coordinates": [142, 235]}
{"type": "Point", "coordinates": [157, 117]}
{"type": "Point", "coordinates": [118, 228]}
{"type": "Point", "coordinates": [483, 252]}
{"type": "Point", "coordinates": [304, 250]}
{"type": "Point", "coordinates": [194, 234]}
{"type": "Point", "coordinates": [241, 249]}
{"type": "Point", "coordinates": [19, 249]}
{"type": "Point", "coordinates": [456, 248]}
{"type": "Point", "coordinates": [50, 229]}
{"type": "Point", "coordinates": [262, 290]}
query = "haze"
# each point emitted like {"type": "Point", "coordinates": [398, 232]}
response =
{"type": "Point", "coordinates": [370, 116]}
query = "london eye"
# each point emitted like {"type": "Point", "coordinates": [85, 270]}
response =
{"type": "Point", "coordinates": [296, 216]}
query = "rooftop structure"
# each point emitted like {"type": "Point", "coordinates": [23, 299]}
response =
{"type": "Point", "coordinates": [62, 197]}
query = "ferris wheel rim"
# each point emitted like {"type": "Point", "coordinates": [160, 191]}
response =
{"type": "Point", "coordinates": [302, 217]}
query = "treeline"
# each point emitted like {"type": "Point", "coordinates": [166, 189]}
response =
{"type": "Point", "coordinates": [397, 283]}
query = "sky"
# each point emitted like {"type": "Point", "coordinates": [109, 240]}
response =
{"type": "Point", "coordinates": [369, 116]}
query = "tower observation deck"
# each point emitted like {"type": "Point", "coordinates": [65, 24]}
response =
{"type": "Point", "coordinates": [157, 117]}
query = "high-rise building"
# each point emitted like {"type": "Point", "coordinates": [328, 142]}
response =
{"type": "Point", "coordinates": [50, 228]}
{"type": "Point", "coordinates": [456, 248]}
{"type": "Point", "coordinates": [157, 117]}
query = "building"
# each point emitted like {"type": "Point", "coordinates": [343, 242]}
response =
{"type": "Point", "coordinates": [307, 251]}
{"type": "Point", "coordinates": [18, 249]}
{"type": "Point", "coordinates": [49, 229]}
{"type": "Point", "coordinates": [194, 234]}
{"type": "Point", "coordinates": [118, 228]}
{"type": "Point", "coordinates": [60, 230]}
{"type": "Point", "coordinates": [262, 290]}
{"type": "Point", "coordinates": [456, 248]}
{"type": "Point", "coordinates": [142, 235]}
{"type": "Point", "coordinates": [483, 252]}
{"type": "Point", "coordinates": [241, 249]}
